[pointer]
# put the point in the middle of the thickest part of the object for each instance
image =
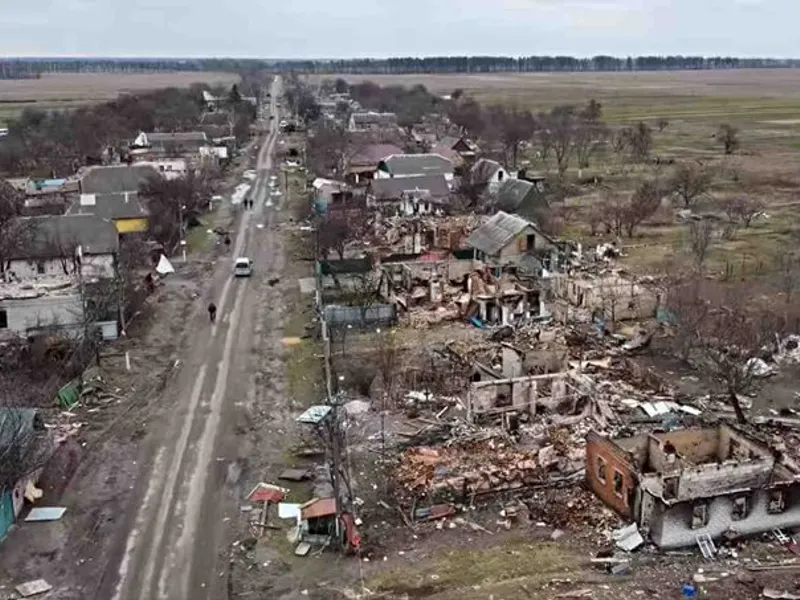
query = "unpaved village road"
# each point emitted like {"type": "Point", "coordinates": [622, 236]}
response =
{"type": "Point", "coordinates": [175, 548]}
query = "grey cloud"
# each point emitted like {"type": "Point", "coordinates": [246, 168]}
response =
{"type": "Point", "coordinates": [321, 28]}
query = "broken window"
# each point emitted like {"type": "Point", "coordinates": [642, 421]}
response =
{"type": "Point", "coordinates": [670, 487]}
{"type": "Point", "coordinates": [618, 483]}
{"type": "Point", "coordinates": [3, 319]}
{"type": "Point", "coordinates": [530, 240]}
{"type": "Point", "coordinates": [40, 270]}
{"type": "Point", "coordinates": [777, 502]}
{"type": "Point", "coordinates": [601, 469]}
{"type": "Point", "coordinates": [699, 515]}
{"type": "Point", "coordinates": [740, 508]}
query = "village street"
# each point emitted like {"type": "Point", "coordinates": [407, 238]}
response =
{"type": "Point", "coordinates": [176, 522]}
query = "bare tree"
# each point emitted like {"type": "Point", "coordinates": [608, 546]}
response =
{"type": "Point", "coordinates": [15, 232]}
{"type": "Point", "coordinates": [662, 124]}
{"type": "Point", "coordinates": [690, 182]}
{"type": "Point", "coordinates": [788, 267]}
{"type": "Point", "coordinates": [512, 126]}
{"type": "Point", "coordinates": [558, 135]}
{"type": "Point", "coordinates": [743, 210]}
{"type": "Point", "coordinates": [27, 445]}
{"type": "Point", "coordinates": [643, 204]}
{"type": "Point", "coordinates": [613, 211]}
{"type": "Point", "coordinates": [727, 332]}
{"type": "Point", "coordinates": [640, 141]}
{"type": "Point", "coordinates": [328, 149]}
{"type": "Point", "coordinates": [700, 241]}
{"type": "Point", "coordinates": [729, 137]}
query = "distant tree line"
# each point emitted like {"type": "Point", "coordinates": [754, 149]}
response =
{"type": "Point", "coordinates": [22, 68]}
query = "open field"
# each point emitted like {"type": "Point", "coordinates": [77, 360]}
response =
{"type": "Point", "coordinates": [74, 89]}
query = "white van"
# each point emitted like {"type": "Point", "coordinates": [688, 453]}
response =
{"type": "Point", "coordinates": [243, 267]}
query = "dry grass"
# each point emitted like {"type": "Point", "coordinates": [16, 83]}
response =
{"type": "Point", "coordinates": [67, 90]}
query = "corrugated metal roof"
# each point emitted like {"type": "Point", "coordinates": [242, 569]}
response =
{"type": "Point", "coordinates": [51, 236]}
{"type": "Point", "coordinates": [107, 180]}
{"type": "Point", "coordinates": [318, 507]}
{"type": "Point", "coordinates": [388, 189]}
{"type": "Point", "coordinates": [123, 205]}
{"type": "Point", "coordinates": [416, 164]}
{"type": "Point", "coordinates": [492, 236]}
{"type": "Point", "coordinates": [513, 192]}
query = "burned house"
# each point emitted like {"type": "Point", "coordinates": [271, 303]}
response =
{"type": "Point", "coordinates": [695, 485]}
{"type": "Point", "coordinates": [527, 396]}
{"type": "Point", "coordinates": [606, 298]}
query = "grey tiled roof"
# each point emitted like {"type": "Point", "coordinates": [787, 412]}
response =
{"type": "Point", "coordinates": [51, 235]}
{"type": "Point", "coordinates": [121, 178]}
{"type": "Point", "coordinates": [387, 189]}
{"type": "Point", "coordinates": [122, 205]}
{"type": "Point", "coordinates": [416, 164]}
{"type": "Point", "coordinates": [492, 236]}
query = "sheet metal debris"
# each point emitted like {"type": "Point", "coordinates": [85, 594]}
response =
{"type": "Point", "coordinates": [46, 513]}
{"type": "Point", "coordinates": [33, 588]}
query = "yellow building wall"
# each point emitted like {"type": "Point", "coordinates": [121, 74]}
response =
{"type": "Point", "coordinates": [131, 225]}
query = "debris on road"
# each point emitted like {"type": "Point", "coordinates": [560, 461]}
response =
{"type": "Point", "coordinates": [46, 513]}
{"type": "Point", "coordinates": [33, 588]}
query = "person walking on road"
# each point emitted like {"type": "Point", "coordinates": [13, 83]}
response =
{"type": "Point", "coordinates": [212, 312]}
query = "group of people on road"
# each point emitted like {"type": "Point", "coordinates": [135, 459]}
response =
{"type": "Point", "coordinates": [248, 203]}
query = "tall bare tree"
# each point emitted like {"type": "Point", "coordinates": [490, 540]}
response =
{"type": "Point", "coordinates": [559, 127]}
{"type": "Point", "coordinates": [728, 136]}
{"type": "Point", "coordinates": [643, 204]}
{"type": "Point", "coordinates": [15, 232]}
{"type": "Point", "coordinates": [700, 241]}
{"type": "Point", "coordinates": [690, 182]}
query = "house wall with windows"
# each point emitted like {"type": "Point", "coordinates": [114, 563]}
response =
{"type": "Point", "coordinates": [19, 315]}
{"type": "Point", "coordinates": [686, 483]}
{"type": "Point", "coordinates": [100, 265]}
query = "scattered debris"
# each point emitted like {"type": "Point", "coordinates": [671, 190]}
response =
{"type": "Point", "coordinates": [779, 595]}
{"type": "Point", "coordinates": [33, 588]}
{"type": "Point", "coordinates": [628, 538]}
{"type": "Point", "coordinates": [46, 513]}
{"type": "Point", "coordinates": [266, 492]}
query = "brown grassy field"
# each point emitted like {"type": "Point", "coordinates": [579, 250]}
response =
{"type": "Point", "coordinates": [74, 89]}
{"type": "Point", "coordinates": [764, 104]}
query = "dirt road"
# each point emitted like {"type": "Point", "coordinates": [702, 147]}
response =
{"type": "Point", "coordinates": [176, 538]}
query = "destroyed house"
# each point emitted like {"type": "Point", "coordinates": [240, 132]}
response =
{"type": "Point", "coordinates": [606, 299]}
{"type": "Point", "coordinates": [511, 240]}
{"type": "Point", "coordinates": [695, 485]}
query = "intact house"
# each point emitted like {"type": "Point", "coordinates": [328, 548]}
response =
{"type": "Point", "coordinates": [372, 121]}
{"type": "Point", "coordinates": [124, 209]}
{"type": "Point", "coordinates": [509, 240]}
{"type": "Point", "coordinates": [521, 197]}
{"type": "Point", "coordinates": [695, 483]}
{"type": "Point", "coordinates": [195, 146]}
{"type": "Point", "coordinates": [458, 150]}
{"type": "Point", "coordinates": [411, 165]}
{"type": "Point", "coordinates": [116, 179]}
{"type": "Point", "coordinates": [25, 445]}
{"type": "Point", "coordinates": [49, 279]}
{"type": "Point", "coordinates": [409, 196]}
{"type": "Point", "coordinates": [360, 167]}
{"type": "Point", "coordinates": [488, 174]}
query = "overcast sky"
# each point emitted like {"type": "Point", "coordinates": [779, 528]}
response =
{"type": "Point", "coordinates": [360, 28]}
